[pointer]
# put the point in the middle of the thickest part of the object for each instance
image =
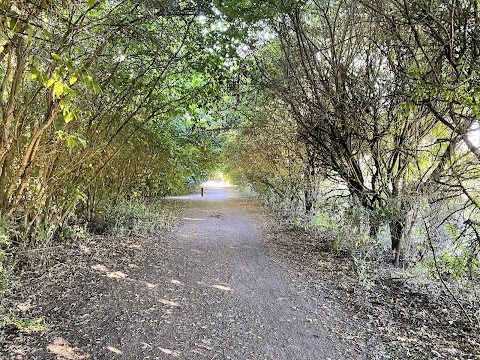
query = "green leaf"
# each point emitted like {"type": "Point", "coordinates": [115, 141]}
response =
{"type": "Point", "coordinates": [30, 35]}
{"type": "Point", "coordinates": [46, 34]}
{"type": "Point", "coordinates": [91, 3]}
{"type": "Point", "coordinates": [56, 57]}
{"type": "Point", "coordinates": [71, 142]}
{"type": "Point", "coordinates": [83, 142]}
{"type": "Point", "coordinates": [67, 90]}
{"type": "Point", "coordinates": [13, 24]}
{"type": "Point", "coordinates": [96, 88]}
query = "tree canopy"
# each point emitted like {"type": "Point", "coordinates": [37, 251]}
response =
{"type": "Point", "coordinates": [101, 99]}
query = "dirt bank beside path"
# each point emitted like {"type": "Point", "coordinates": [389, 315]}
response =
{"type": "Point", "coordinates": [209, 289]}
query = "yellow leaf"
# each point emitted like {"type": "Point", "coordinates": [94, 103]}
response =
{"type": "Point", "coordinates": [73, 79]}
{"type": "Point", "coordinates": [58, 88]}
{"type": "Point", "coordinates": [69, 117]}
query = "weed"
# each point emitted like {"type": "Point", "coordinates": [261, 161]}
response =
{"type": "Point", "coordinates": [11, 321]}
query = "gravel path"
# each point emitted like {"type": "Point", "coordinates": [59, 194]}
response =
{"type": "Point", "coordinates": [234, 301]}
{"type": "Point", "coordinates": [210, 289]}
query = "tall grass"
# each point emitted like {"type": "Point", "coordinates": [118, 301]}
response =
{"type": "Point", "coordinates": [135, 216]}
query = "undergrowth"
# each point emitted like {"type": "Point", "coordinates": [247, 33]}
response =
{"type": "Point", "coordinates": [125, 218]}
{"type": "Point", "coordinates": [7, 231]}
{"type": "Point", "coordinates": [133, 217]}
{"type": "Point", "coordinates": [343, 227]}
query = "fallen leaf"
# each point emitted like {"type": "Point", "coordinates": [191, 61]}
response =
{"type": "Point", "coordinates": [134, 246]}
{"type": "Point", "coordinates": [25, 306]}
{"type": "Point", "coordinates": [99, 267]}
{"type": "Point", "coordinates": [150, 285]}
{"type": "Point", "coordinates": [168, 351]}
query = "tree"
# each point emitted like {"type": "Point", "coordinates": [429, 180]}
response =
{"type": "Point", "coordinates": [94, 91]}
{"type": "Point", "coordinates": [346, 83]}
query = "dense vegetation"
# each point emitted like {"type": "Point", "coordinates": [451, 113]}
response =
{"type": "Point", "coordinates": [366, 120]}
{"type": "Point", "coordinates": [102, 101]}
{"type": "Point", "coordinates": [359, 116]}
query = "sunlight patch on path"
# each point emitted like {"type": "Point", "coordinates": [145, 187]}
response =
{"type": "Point", "coordinates": [63, 350]}
{"type": "Point", "coordinates": [150, 285]}
{"type": "Point", "coordinates": [116, 275]}
{"type": "Point", "coordinates": [216, 184]}
{"type": "Point", "coordinates": [168, 302]}
{"type": "Point", "coordinates": [108, 273]}
{"type": "Point", "coordinates": [122, 276]}
{"type": "Point", "coordinates": [222, 287]}
{"type": "Point", "coordinates": [101, 268]}
{"type": "Point", "coordinates": [168, 352]}
{"type": "Point", "coordinates": [196, 251]}
{"type": "Point", "coordinates": [114, 350]}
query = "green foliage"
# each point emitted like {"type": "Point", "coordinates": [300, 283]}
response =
{"type": "Point", "coordinates": [7, 231]}
{"type": "Point", "coordinates": [252, 11]}
{"type": "Point", "coordinates": [457, 264]}
{"type": "Point", "coordinates": [128, 100]}
{"type": "Point", "coordinates": [247, 191]}
{"type": "Point", "coordinates": [74, 232]}
{"type": "Point", "coordinates": [12, 320]}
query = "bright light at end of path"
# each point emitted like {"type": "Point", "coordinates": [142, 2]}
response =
{"type": "Point", "coordinates": [474, 134]}
{"type": "Point", "coordinates": [217, 184]}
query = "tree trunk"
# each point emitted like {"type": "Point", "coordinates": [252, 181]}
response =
{"type": "Point", "coordinates": [309, 198]}
{"type": "Point", "coordinates": [374, 228]}
{"type": "Point", "coordinates": [397, 227]}
{"type": "Point", "coordinates": [309, 174]}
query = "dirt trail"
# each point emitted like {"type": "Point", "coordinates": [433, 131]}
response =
{"type": "Point", "coordinates": [210, 290]}
{"type": "Point", "coordinates": [235, 300]}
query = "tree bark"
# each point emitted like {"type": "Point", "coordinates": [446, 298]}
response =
{"type": "Point", "coordinates": [397, 228]}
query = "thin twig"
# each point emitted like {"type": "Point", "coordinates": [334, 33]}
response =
{"type": "Point", "coordinates": [440, 275]}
